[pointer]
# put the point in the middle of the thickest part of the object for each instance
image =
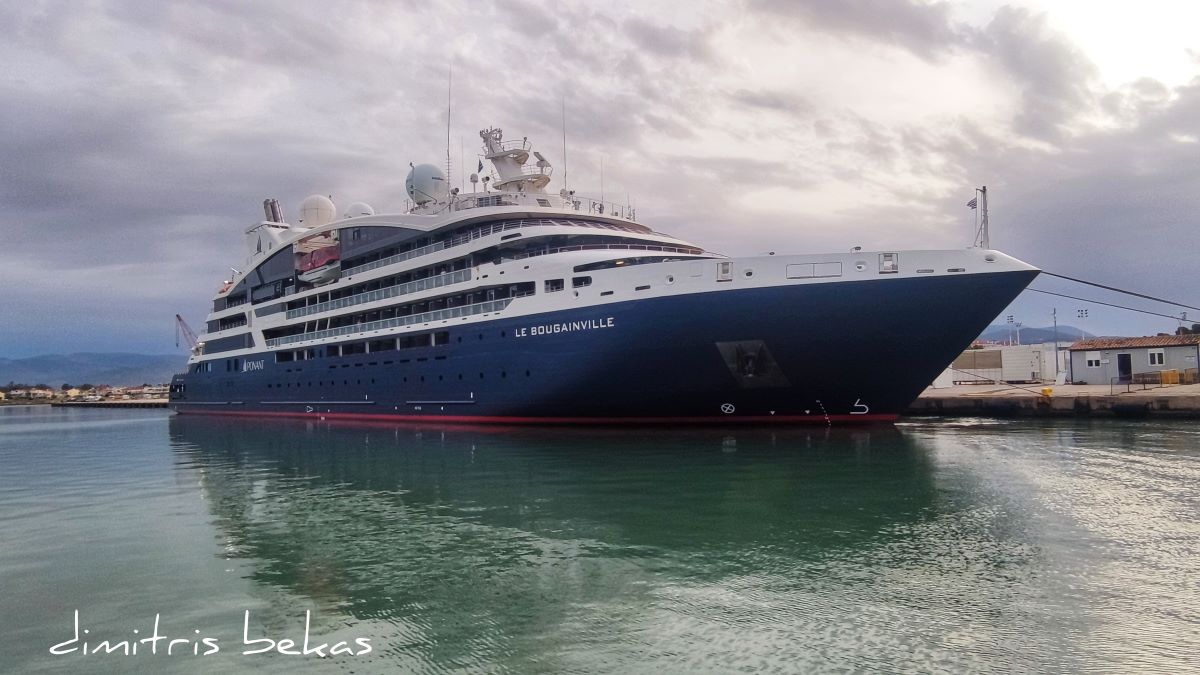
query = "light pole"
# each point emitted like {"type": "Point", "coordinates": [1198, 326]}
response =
{"type": "Point", "coordinates": [1009, 321]}
{"type": "Point", "coordinates": [1082, 314]}
{"type": "Point", "coordinates": [1054, 313]}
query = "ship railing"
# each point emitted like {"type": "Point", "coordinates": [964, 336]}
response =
{"type": "Point", "coordinates": [604, 247]}
{"type": "Point", "coordinates": [383, 293]}
{"type": "Point", "coordinates": [506, 147]}
{"type": "Point", "coordinates": [391, 260]}
{"type": "Point", "coordinates": [484, 231]}
{"type": "Point", "coordinates": [602, 208]}
{"type": "Point", "coordinates": [538, 222]}
{"type": "Point", "coordinates": [397, 322]}
{"type": "Point", "coordinates": [526, 170]}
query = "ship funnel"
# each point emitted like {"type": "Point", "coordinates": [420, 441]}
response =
{"type": "Point", "coordinates": [273, 211]}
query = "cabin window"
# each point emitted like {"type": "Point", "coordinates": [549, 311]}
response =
{"type": "Point", "coordinates": [1157, 357]}
{"type": "Point", "coordinates": [724, 271]}
{"type": "Point", "coordinates": [888, 264]}
{"type": "Point", "coordinates": [553, 285]}
{"type": "Point", "coordinates": [580, 282]}
{"type": "Point", "coordinates": [1093, 359]}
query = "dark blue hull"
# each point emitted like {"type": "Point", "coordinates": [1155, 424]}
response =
{"type": "Point", "coordinates": [821, 353]}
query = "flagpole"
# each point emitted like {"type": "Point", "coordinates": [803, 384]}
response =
{"type": "Point", "coordinates": [983, 227]}
{"type": "Point", "coordinates": [974, 206]}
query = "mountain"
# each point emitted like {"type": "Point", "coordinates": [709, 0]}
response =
{"type": "Point", "coordinates": [1031, 335]}
{"type": "Point", "coordinates": [88, 368]}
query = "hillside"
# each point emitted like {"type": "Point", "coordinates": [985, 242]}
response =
{"type": "Point", "coordinates": [1031, 335]}
{"type": "Point", "coordinates": [113, 368]}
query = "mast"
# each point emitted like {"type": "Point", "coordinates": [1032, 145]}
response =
{"type": "Point", "coordinates": [564, 130]}
{"type": "Point", "coordinates": [449, 89]}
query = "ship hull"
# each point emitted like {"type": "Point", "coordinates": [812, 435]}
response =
{"type": "Point", "coordinates": [847, 352]}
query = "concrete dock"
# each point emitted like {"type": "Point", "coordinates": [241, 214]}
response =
{"type": "Point", "coordinates": [129, 403]}
{"type": "Point", "coordinates": [1079, 400]}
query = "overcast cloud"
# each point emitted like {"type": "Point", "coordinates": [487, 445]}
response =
{"type": "Point", "coordinates": [140, 138]}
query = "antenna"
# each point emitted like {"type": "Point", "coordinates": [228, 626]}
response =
{"type": "Point", "coordinates": [564, 130]}
{"type": "Point", "coordinates": [449, 89]}
{"type": "Point", "coordinates": [601, 179]}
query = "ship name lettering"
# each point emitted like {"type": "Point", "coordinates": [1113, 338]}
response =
{"type": "Point", "coordinates": [565, 327]}
{"type": "Point", "coordinates": [252, 365]}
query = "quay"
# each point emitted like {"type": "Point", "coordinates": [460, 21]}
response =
{"type": "Point", "coordinates": [129, 403]}
{"type": "Point", "coordinates": [1180, 402]}
{"type": "Point", "coordinates": [1071, 400]}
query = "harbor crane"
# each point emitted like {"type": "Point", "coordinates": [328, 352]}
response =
{"type": "Point", "coordinates": [189, 336]}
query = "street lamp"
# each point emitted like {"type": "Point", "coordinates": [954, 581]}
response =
{"type": "Point", "coordinates": [1082, 314]}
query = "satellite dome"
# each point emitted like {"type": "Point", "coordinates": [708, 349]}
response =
{"type": "Point", "coordinates": [426, 183]}
{"type": "Point", "coordinates": [359, 209]}
{"type": "Point", "coordinates": [317, 210]}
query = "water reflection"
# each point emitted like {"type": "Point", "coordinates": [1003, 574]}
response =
{"type": "Point", "coordinates": [928, 547]}
{"type": "Point", "coordinates": [472, 541]}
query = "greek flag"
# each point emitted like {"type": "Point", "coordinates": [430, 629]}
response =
{"type": "Point", "coordinates": [480, 169]}
{"type": "Point", "coordinates": [973, 203]}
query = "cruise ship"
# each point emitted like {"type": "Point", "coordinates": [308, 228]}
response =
{"type": "Point", "coordinates": [514, 304]}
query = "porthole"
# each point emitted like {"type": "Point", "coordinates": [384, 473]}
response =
{"type": "Point", "coordinates": [527, 373]}
{"type": "Point", "coordinates": [422, 378]}
{"type": "Point", "coordinates": [670, 279]}
{"type": "Point", "coordinates": [749, 273]}
{"type": "Point", "coordinates": [860, 266]}
{"type": "Point", "coordinates": [440, 378]}
{"type": "Point", "coordinates": [503, 373]}
{"type": "Point", "coordinates": [460, 376]}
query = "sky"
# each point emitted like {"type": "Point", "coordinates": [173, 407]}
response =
{"type": "Point", "coordinates": [140, 138]}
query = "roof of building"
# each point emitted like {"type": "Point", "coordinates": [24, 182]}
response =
{"type": "Point", "coordinates": [1135, 342]}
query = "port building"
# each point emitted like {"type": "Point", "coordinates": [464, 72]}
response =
{"type": "Point", "coordinates": [1165, 359]}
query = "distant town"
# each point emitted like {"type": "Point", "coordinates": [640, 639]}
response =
{"type": "Point", "coordinates": [18, 394]}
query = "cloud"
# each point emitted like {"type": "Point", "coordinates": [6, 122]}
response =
{"type": "Point", "coordinates": [924, 28]}
{"type": "Point", "coordinates": [143, 137]}
{"type": "Point", "coordinates": [1053, 75]}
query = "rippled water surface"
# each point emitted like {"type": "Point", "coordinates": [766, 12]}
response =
{"type": "Point", "coordinates": [931, 546]}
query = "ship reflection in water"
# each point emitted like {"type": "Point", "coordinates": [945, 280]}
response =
{"type": "Point", "coordinates": [525, 550]}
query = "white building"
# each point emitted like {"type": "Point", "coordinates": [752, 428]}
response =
{"type": "Point", "coordinates": [1139, 359]}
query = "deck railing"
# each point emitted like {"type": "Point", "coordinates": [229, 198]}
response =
{"type": "Point", "coordinates": [397, 322]}
{"type": "Point", "coordinates": [479, 233]}
{"type": "Point", "coordinates": [382, 293]}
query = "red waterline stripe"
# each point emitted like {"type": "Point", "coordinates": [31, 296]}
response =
{"type": "Point", "coordinates": [500, 419]}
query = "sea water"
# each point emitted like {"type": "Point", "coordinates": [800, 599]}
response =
{"type": "Point", "coordinates": [139, 541]}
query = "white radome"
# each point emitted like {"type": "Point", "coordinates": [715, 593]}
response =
{"type": "Point", "coordinates": [317, 210]}
{"type": "Point", "coordinates": [426, 183]}
{"type": "Point", "coordinates": [359, 209]}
